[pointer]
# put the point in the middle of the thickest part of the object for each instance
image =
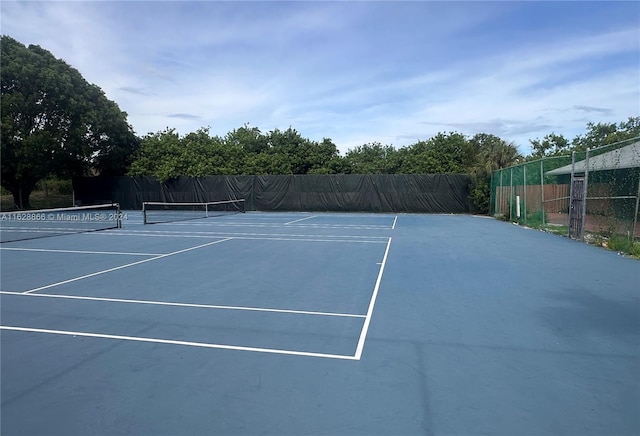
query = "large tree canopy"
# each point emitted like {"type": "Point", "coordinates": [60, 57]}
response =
{"type": "Point", "coordinates": [243, 151]}
{"type": "Point", "coordinates": [55, 123]}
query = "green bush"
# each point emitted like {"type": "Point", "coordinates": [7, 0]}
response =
{"type": "Point", "coordinates": [536, 219]}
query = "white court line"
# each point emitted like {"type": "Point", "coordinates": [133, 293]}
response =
{"type": "Point", "coordinates": [79, 251]}
{"type": "Point", "coordinates": [173, 342]}
{"type": "Point", "coordinates": [393, 227]}
{"type": "Point", "coordinates": [301, 219]}
{"type": "Point", "coordinates": [372, 303]}
{"type": "Point", "coordinates": [235, 234]}
{"type": "Point", "coordinates": [360, 241]}
{"type": "Point", "coordinates": [275, 225]}
{"type": "Point", "coordinates": [194, 305]}
{"type": "Point", "coordinates": [124, 266]}
{"type": "Point", "coordinates": [266, 238]}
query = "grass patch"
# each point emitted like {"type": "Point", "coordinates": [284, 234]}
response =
{"type": "Point", "coordinates": [614, 242]}
{"type": "Point", "coordinates": [623, 244]}
{"type": "Point", "coordinates": [556, 229]}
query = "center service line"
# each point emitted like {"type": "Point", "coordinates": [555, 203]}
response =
{"type": "Point", "coordinates": [372, 303]}
{"type": "Point", "coordinates": [125, 266]}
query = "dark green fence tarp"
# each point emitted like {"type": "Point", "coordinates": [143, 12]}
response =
{"type": "Point", "coordinates": [419, 193]}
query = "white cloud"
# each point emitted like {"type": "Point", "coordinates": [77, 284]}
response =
{"type": "Point", "coordinates": [355, 72]}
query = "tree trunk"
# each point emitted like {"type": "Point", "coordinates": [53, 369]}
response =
{"type": "Point", "coordinates": [21, 197]}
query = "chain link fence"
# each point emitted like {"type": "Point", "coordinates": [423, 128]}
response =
{"type": "Point", "coordinates": [596, 191]}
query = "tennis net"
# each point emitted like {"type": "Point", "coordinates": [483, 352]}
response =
{"type": "Point", "coordinates": [44, 223]}
{"type": "Point", "coordinates": [159, 212]}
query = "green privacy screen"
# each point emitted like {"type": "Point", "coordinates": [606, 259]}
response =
{"type": "Point", "coordinates": [419, 193]}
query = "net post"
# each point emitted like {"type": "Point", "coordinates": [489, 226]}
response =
{"type": "Point", "coordinates": [118, 216]}
{"type": "Point", "coordinates": [144, 213]}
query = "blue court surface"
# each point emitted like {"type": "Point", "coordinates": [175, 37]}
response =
{"type": "Point", "coordinates": [332, 324]}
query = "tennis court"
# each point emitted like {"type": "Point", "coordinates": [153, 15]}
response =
{"type": "Point", "coordinates": [329, 323]}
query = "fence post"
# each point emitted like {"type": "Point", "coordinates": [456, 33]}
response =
{"type": "Point", "coordinates": [524, 188]}
{"type": "Point", "coordinates": [511, 196]}
{"type": "Point", "coordinates": [586, 190]}
{"type": "Point", "coordinates": [635, 216]}
{"type": "Point", "coordinates": [501, 192]}
{"type": "Point", "coordinates": [542, 192]}
{"type": "Point", "coordinates": [573, 170]}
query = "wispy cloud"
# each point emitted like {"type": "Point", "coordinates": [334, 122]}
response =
{"type": "Point", "coordinates": [356, 72]}
{"type": "Point", "coordinates": [596, 110]}
{"type": "Point", "coordinates": [133, 90]}
{"type": "Point", "coordinates": [185, 116]}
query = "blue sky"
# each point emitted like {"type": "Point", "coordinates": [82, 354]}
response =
{"type": "Point", "coordinates": [353, 71]}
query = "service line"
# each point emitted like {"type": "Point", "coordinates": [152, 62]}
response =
{"type": "Point", "coordinates": [174, 342]}
{"type": "Point", "coordinates": [190, 305]}
{"type": "Point", "coordinates": [124, 266]}
{"type": "Point", "coordinates": [47, 250]}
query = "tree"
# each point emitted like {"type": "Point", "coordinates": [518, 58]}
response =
{"type": "Point", "coordinates": [445, 153]}
{"type": "Point", "coordinates": [550, 145]}
{"type": "Point", "coordinates": [54, 122]}
{"type": "Point", "coordinates": [250, 139]}
{"type": "Point", "coordinates": [373, 158]}
{"type": "Point", "coordinates": [600, 134]}
{"type": "Point", "coordinates": [597, 135]}
{"type": "Point", "coordinates": [165, 155]}
{"type": "Point", "coordinates": [158, 156]}
{"type": "Point", "coordinates": [491, 153]}
{"type": "Point", "coordinates": [494, 153]}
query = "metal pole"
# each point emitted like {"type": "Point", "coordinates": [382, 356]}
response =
{"type": "Point", "coordinates": [511, 196]}
{"type": "Point", "coordinates": [542, 191]}
{"type": "Point", "coordinates": [524, 187]}
{"type": "Point", "coordinates": [635, 216]}
{"type": "Point", "coordinates": [573, 170]}
{"type": "Point", "coordinates": [584, 204]}
{"type": "Point", "coordinates": [501, 189]}
{"type": "Point", "coordinates": [492, 196]}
